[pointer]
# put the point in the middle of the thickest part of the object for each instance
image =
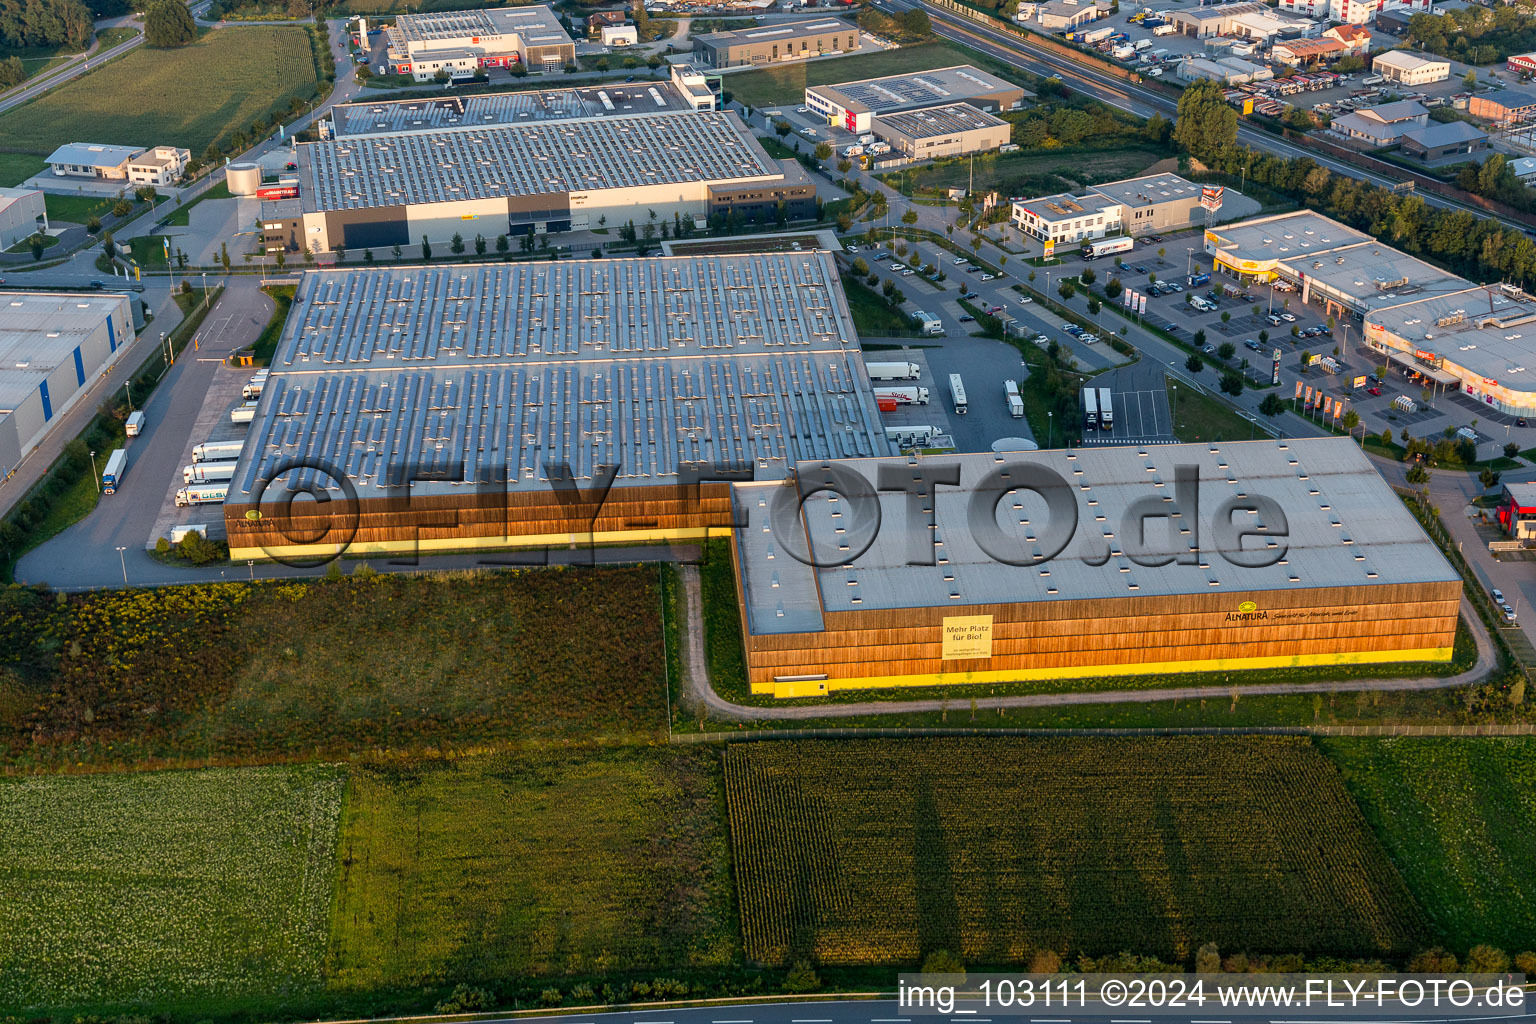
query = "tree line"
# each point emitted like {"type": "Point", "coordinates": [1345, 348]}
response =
{"type": "Point", "coordinates": [24, 24]}
{"type": "Point", "coordinates": [1476, 35]}
{"type": "Point", "coordinates": [1474, 246]}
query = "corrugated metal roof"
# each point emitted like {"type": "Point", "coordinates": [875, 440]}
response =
{"type": "Point", "coordinates": [1344, 528]}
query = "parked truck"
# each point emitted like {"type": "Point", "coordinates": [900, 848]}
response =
{"type": "Point", "coordinates": [255, 385]}
{"type": "Point", "coordinates": [245, 412]}
{"type": "Point", "coordinates": [1106, 410]}
{"type": "Point", "coordinates": [117, 465]}
{"type": "Point", "coordinates": [207, 472]}
{"type": "Point", "coordinates": [1090, 409]}
{"type": "Point", "coordinates": [134, 424]}
{"type": "Point", "coordinates": [911, 436]}
{"type": "Point", "coordinates": [894, 371]}
{"type": "Point", "coordinates": [202, 494]}
{"type": "Point", "coordinates": [217, 451]}
{"type": "Point", "coordinates": [1015, 402]}
{"type": "Point", "coordinates": [1096, 247]}
{"type": "Point", "coordinates": [957, 392]}
{"type": "Point", "coordinates": [903, 396]}
{"type": "Point", "coordinates": [928, 323]}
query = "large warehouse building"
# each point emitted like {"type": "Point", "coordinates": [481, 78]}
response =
{"type": "Point", "coordinates": [936, 132]}
{"type": "Point", "coordinates": [394, 117]}
{"type": "Point", "coordinates": [474, 384]}
{"type": "Point", "coordinates": [1452, 331]}
{"type": "Point", "coordinates": [855, 105]}
{"type": "Point", "coordinates": [773, 43]}
{"type": "Point", "coordinates": [463, 42]}
{"type": "Point", "coordinates": [543, 176]}
{"type": "Point", "coordinates": [22, 214]}
{"type": "Point", "coordinates": [1136, 206]}
{"type": "Point", "coordinates": [1335, 571]}
{"type": "Point", "coordinates": [53, 346]}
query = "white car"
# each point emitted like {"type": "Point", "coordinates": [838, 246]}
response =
{"type": "Point", "coordinates": [1498, 596]}
{"type": "Point", "coordinates": [988, 277]}
{"type": "Point", "coordinates": [851, 248]}
{"type": "Point", "coordinates": [802, 110]}
{"type": "Point", "coordinates": [809, 133]}
{"type": "Point", "coordinates": [960, 261]}
{"type": "Point", "coordinates": [1025, 300]}
{"type": "Point", "coordinates": [1289, 318]}
{"type": "Point", "coordinates": [1088, 339]}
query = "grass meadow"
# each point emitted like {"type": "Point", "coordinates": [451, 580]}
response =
{"type": "Point", "coordinates": [585, 862]}
{"type": "Point", "coordinates": [221, 83]}
{"type": "Point", "coordinates": [787, 84]}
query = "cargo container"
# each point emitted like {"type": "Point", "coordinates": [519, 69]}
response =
{"type": "Point", "coordinates": [1106, 410]}
{"type": "Point", "coordinates": [215, 451]}
{"type": "Point", "coordinates": [1090, 409]}
{"type": "Point", "coordinates": [928, 323]}
{"type": "Point", "coordinates": [1015, 402]}
{"type": "Point", "coordinates": [243, 413]}
{"type": "Point", "coordinates": [117, 465]}
{"type": "Point", "coordinates": [134, 424]}
{"type": "Point", "coordinates": [202, 494]}
{"type": "Point", "coordinates": [894, 371]}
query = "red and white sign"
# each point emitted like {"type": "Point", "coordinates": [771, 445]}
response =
{"type": "Point", "coordinates": [1210, 197]}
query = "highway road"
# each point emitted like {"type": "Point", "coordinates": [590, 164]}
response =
{"type": "Point", "coordinates": [1136, 99]}
{"type": "Point", "coordinates": [81, 64]}
{"type": "Point", "coordinates": [889, 1011]}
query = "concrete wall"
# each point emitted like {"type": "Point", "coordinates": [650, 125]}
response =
{"type": "Point", "coordinates": [18, 220]}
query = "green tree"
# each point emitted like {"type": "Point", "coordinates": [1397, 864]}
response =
{"type": "Point", "coordinates": [1232, 383]}
{"type": "Point", "coordinates": [1351, 420]}
{"type": "Point", "coordinates": [1206, 124]}
{"type": "Point", "coordinates": [1226, 350]}
{"type": "Point", "coordinates": [1489, 479]}
{"type": "Point", "coordinates": [1511, 450]}
{"type": "Point", "coordinates": [782, 127]}
{"type": "Point", "coordinates": [456, 244]}
{"type": "Point", "coordinates": [12, 72]}
{"type": "Point", "coordinates": [168, 23]}
{"type": "Point", "coordinates": [1066, 289]}
{"type": "Point", "coordinates": [915, 23]}
{"type": "Point", "coordinates": [367, 255]}
{"type": "Point", "coordinates": [1194, 364]}
{"type": "Point", "coordinates": [37, 244]}
{"type": "Point", "coordinates": [823, 151]}
{"type": "Point", "coordinates": [1272, 405]}
{"type": "Point", "coordinates": [122, 208]}
{"type": "Point", "coordinates": [502, 245]}
{"type": "Point", "coordinates": [426, 248]}
{"type": "Point", "coordinates": [1087, 275]}
{"type": "Point", "coordinates": [860, 266]}
{"type": "Point", "coordinates": [909, 218]}
{"type": "Point", "coordinates": [479, 245]}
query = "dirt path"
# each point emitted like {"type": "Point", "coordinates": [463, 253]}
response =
{"type": "Point", "coordinates": [702, 694]}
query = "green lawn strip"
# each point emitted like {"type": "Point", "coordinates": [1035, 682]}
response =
{"type": "Point", "coordinates": [873, 315]}
{"type": "Point", "coordinates": [76, 209]}
{"type": "Point", "coordinates": [1204, 417]}
{"type": "Point", "coordinates": [1456, 816]}
{"type": "Point", "coordinates": [181, 216]}
{"type": "Point", "coordinates": [25, 245]}
{"type": "Point", "coordinates": [266, 345]}
{"type": "Point", "coordinates": [771, 86]}
{"type": "Point", "coordinates": [16, 168]}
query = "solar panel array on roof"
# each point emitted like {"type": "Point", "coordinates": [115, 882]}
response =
{"type": "Point", "coordinates": [931, 121]}
{"type": "Point", "coordinates": [532, 159]}
{"type": "Point", "coordinates": [648, 364]}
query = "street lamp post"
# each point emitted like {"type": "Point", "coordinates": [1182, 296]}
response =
{"type": "Point", "coordinates": [205, 289]}
{"type": "Point", "coordinates": [129, 393]}
{"type": "Point", "coordinates": [94, 473]}
{"type": "Point", "coordinates": [1173, 413]}
{"type": "Point", "coordinates": [1050, 419]}
{"type": "Point", "coordinates": [124, 562]}
{"type": "Point", "coordinates": [169, 358]}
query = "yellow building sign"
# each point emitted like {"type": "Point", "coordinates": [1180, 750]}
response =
{"type": "Point", "coordinates": [967, 636]}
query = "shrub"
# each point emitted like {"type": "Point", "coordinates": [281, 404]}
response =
{"type": "Point", "coordinates": [465, 999]}
{"type": "Point", "coordinates": [801, 978]}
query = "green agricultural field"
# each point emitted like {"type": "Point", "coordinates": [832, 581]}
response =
{"type": "Point", "coordinates": [884, 851]}
{"type": "Point", "coordinates": [1458, 817]}
{"type": "Point", "coordinates": [565, 862]}
{"type": "Point", "coordinates": [222, 82]}
{"type": "Point", "coordinates": [16, 168]}
{"type": "Point", "coordinates": [787, 84]}
{"type": "Point", "coordinates": [165, 886]}
{"type": "Point", "coordinates": [331, 668]}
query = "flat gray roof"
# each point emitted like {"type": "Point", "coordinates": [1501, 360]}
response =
{"type": "Point", "coordinates": [774, 31]}
{"type": "Point", "coordinates": [915, 89]}
{"type": "Point", "coordinates": [651, 364]}
{"type": "Point", "coordinates": [946, 120]}
{"type": "Point", "coordinates": [1149, 190]}
{"type": "Point", "coordinates": [1345, 528]}
{"type": "Point", "coordinates": [93, 154]}
{"type": "Point", "coordinates": [536, 24]}
{"type": "Point", "coordinates": [1065, 206]}
{"type": "Point", "coordinates": [391, 117]}
{"type": "Point", "coordinates": [1444, 134]}
{"type": "Point", "coordinates": [1483, 329]}
{"type": "Point", "coordinates": [39, 332]}
{"type": "Point", "coordinates": [1286, 236]}
{"type": "Point", "coordinates": [448, 165]}
{"type": "Point", "coordinates": [1374, 275]}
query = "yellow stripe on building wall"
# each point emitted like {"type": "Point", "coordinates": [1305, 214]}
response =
{"type": "Point", "coordinates": [442, 545]}
{"type": "Point", "coordinates": [822, 687]}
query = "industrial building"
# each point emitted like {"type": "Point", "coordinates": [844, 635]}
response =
{"type": "Point", "coordinates": [542, 176]}
{"type": "Point", "coordinates": [1250, 20]}
{"type": "Point", "coordinates": [53, 347]}
{"type": "Point", "coordinates": [771, 43]}
{"type": "Point", "coordinates": [463, 43]}
{"type": "Point", "coordinates": [1503, 106]}
{"type": "Point", "coordinates": [935, 132]}
{"type": "Point", "coordinates": [1136, 206]}
{"type": "Point", "coordinates": [1403, 68]}
{"type": "Point", "coordinates": [1057, 15]}
{"type": "Point", "coordinates": [22, 215]}
{"type": "Point", "coordinates": [1133, 568]}
{"type": "Point", "coordinates": [488, 406]}
{"type": "Point", "coordinates": [1449, 330]}
{"type": "Point", "coordinates": [394, 117]}
{"type": "Point", "coordinates": [159, 165]}
{"type": "Point", "coordinates": [1437, 142]}
{"type": "Point", "coordinates": [855, 105]}
{"type": "Point", "coordinates": [1381, 126]}
{"type": "Point", "coordinates": [1356, 12]}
